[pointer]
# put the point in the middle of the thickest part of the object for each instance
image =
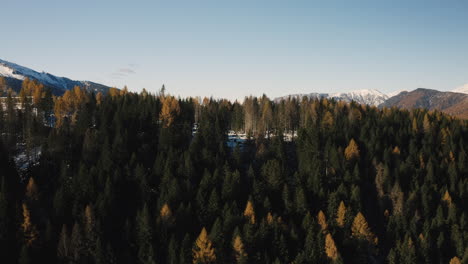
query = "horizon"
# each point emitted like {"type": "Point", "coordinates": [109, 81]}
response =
{"type": "Point", "coordinates": [233, 50]}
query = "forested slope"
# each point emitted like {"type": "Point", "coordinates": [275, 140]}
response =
{"type": "Point", "coordinates": [122, 178]}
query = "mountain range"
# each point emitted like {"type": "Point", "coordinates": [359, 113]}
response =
{"type": "Point", "coordinates": [14, 74]}
{"type": "Point", "coordinates": [454, 102]}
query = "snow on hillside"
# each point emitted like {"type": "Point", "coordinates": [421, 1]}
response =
{"type": "Point", "coordinates": [15, 71]}
{"type": "Point", "coordinates": [364, 96]}
{"type": "Point", "coordinates": [19, 72]}
{"type": "Point", "coordinates": [461, 89]}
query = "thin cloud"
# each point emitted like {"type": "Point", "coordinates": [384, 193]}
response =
{"type": "Point", "coordinates": [122, 72]}
{"type": "Point", "coordinates": [127, 70]}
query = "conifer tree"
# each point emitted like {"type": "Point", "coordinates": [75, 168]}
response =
{"type": "Point", "coordinates": [165, 212]}
{"type": "Point", "coordinates": [322, 221]}
{"type": "Point", "coordinates": [240, 254]}
{"type": "Point", "coordinates": [351, 151]}
{"type": "Point", "coordinates": [30, 232]}
{"type": "Point", "coordinates": [360, 229]}
{"type": "Point", "coordinates": [330, 248]}
{"type": "Point", "coordinates": [341, 215]}
{"type": "Point", "coordinates": [455, 260]}
{"type": "Point", "coordinates": [249, 212]}
{"type": "Point", "coordinates": [31, 190]}
{"type": "Point", "coordinates": [203, 251]}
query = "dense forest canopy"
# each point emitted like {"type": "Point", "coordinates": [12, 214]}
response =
{"type": "Point", "coordinates": [151, 178]}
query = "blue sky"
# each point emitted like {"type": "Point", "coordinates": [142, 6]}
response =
{"type": "Point", "coordinates": [236, 48]}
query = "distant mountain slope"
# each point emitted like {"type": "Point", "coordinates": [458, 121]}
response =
{"type": "Point", "coordinates": [461, 89]}
{"type": "Point", "coordinates": [449, 102]}
{"type": "Point", "coordinates": [15, 74]}
{"type": "Point", "coordinates": [365, 96]}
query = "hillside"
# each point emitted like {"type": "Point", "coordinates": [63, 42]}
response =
{"type": "Point", "coordinates": [15, 74]}
{"type": "Point", "coordinates": [455, 104]}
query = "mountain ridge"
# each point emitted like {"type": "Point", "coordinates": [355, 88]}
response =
{"type": "Point", "coordinates": [15, 74]}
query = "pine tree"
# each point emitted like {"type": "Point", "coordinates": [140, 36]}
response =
{"type": "Point", "coordinates": [63, 246]}
{"type": "Point", "coordinates": [203, 251]}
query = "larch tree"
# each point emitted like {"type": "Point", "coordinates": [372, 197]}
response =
{"type": "Point", "coordinates": [249, 212]}
{"type": "Point", "coordinates": [239, 251]}
{"type": "Point", "coordinates": [322, 220]}
{"type": "Point", "coordinates": [203, 251]}
{"type": "Point", "coordinates": [360, 229]}
{"type": "Point", "coordinates": [165, 212]}
{"type": "Point", "coordinates": [455, 260]}
{"type": "Point", "coordinates": [352, 150]}
{"type": "Point", "coordinates": [327, 121]}
{"type": "Point", "coordinates": [341, 215]}
{"type": "Point", "coordinates": [31, 190]}
{"type": "Point", "coordinates": [30, 232]}
{"type": "Point", "coordinates": [330, 248]}
{"type": "Point", "coordinates": [3, 85]}
{"type": "Point", "coordinates": [447, 198]}
{"type": "Point", "coordinates": [169, 111]}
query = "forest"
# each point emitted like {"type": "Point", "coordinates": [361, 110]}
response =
{"type": "Point", "coordinates": [129, 177]}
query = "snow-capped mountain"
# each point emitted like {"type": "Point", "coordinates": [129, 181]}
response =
{"type": "Point", "coordinates": [461, 89]}
{"type": "Point", "coordinates": [15, 73]}
{"type": "Point", "coordinates": [365, 96]}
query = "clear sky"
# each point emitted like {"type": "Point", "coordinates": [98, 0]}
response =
{"type": "Point", "coordinates": [236, 48]}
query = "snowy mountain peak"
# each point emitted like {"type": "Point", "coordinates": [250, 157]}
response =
{"type": "Point", "coordinates": [17, 72]}
{"type": "Point", "coordinates": [363, 96]}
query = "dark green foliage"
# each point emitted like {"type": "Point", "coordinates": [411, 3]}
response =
{"type": "Point", "coordinates": [105, 173]}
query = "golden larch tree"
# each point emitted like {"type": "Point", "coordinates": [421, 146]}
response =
{"type": "Point", "coordinates": [239, 250]}
{"type": "Point", "coordinates": [169, 111]}
{"type": "Point", "coordinates": [360, 229]}
{"type": "Point", "coordinates": [249, 212]}
{"type": "Point", "coordinates": [341, 214]}
{"type": "Point", "coordinates": [327, 121]}
{"type": "Point", "coordinates": [322, 220]}
{"type": "Point", "coordinates": [203, 251]}
{"type": "Point", "coordinates": [29, 230]}
{"type": "Point", "coordinates": [330, 248]}
{"type": "Point", "coordinates": [426, 124]}
{"type": "Point", "coordinates": [99, 98]}
{"type": "Point", "coordinates": [31, 190]}
{"type": "Point", "coordinates": [165, 212]}
{"type": "Point", "coordinates": [447, 198]}
{"type": "Point", "coordinates": [455, 260]}
{"type": "Point", "coordinates": [352, 150]}
{"type": "Point", "coordinates": [269, 218]}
